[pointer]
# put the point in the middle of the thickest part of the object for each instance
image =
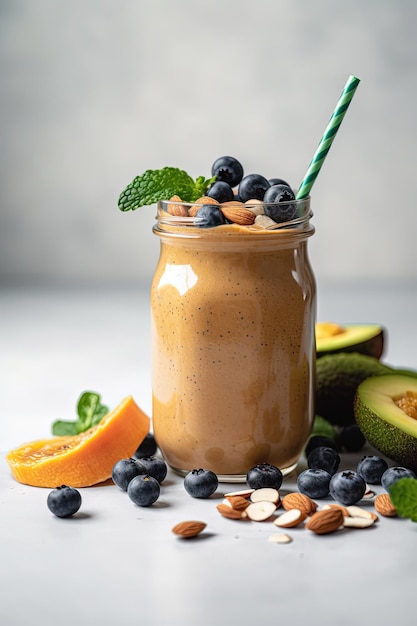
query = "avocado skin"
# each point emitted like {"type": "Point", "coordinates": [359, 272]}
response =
{"type": "Point", "coordinates": [337, 378]}
{"type": "Point", "coordinates": [374, 346]}
{"type": "Point", "coordinates": [395, 444]}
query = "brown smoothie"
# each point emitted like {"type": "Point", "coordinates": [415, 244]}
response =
{"type": "Point", "coordinates": [233, 314]}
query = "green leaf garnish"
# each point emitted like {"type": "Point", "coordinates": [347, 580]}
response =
{"type": "Point", "coordinates": [90, 412]}
{"type": "Point", "coordinates": [323, 427]}
{"type": "Point", "coordinates": [155, 185]}
{"type": "Point", "coordinates": [403, 494]}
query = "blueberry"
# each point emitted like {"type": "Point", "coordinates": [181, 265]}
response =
{"type": "Point", "coordinates": [320, 440]}
{"type": "Point", "coordinates": [64, 501]}
{"type": "Point", "coordinates": [155, 467]}
{"type": "Point", "coordinates": [347, 487]}
{"type": "Point", "coordinates": [227, 169]}
{"type": "Point", "coordinates": [124, 470]}
{"type": "Point", "coordinates": [148, 447]}
{"type": "Point", "coordinates": [200, 483]}
{"type": "Point", "coordinates": [352, 438]}
{"type": "Point", "coordinates": [324, 458]}
{"type": "Point", "coordinates": [220, 191]}
{"type": "Point", "coordinates": [371, 469]}
{"type": "Point", "coordinates": [252, 186]}
{"type": "Point", "coordinates": [144, 490]}
{"type": "Point", "coordinates": [264, 475]}
{"type": "Point", "coordinates": [278, 203]}
{"type": "Point", "coordinates": [278, 181]}
{"type": "Point", "coordinates": [392, 474]}
{"type": "Point", "coordinates": [209, 215]}
{"type": "Point", "coordinates": [314, 483]}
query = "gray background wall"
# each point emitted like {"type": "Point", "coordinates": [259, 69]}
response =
{"type": "Point", "coordinates": [95, 92]}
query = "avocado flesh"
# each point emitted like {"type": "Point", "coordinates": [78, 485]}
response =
{"type": "Point", "coordinates": [337, 378]}
{"type": "Point", "coordinates": [387, 427]}
{"type": "Point", "coordinates": [361, 338]}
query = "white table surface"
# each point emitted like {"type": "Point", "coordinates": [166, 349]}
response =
{"type": "Point", "coordinates": [118, 564]}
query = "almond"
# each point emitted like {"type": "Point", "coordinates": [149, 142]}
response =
{"type": "Point", "coordinates": [190, 528]}
{"type": "Point", "coordinates": [337, 506]}
{"type": "Point", "coordinates": [239, 503]}
{"type": "Point", "coordinates": [177, 209]}
{"type": "Point", "coordinates": [357, 511]}
{"type": "Point", "coordinates": [237, 212]}
{"type": "Point", "coordinates": [260, 511]}
{"type": "Point", "coordinates": [227, 511]}
{"type": "Point", "coordinates": [290, 518]}
{"type": "Point", "coordinates": [267, 494]}
{"type": "Point", "coordinates": [280, 538]}
{"type": "Point", "coordinates": [245, 493]}
{"type": "Point", "coordinates": [358, 522]}
{"type": "Point", "coordinates": [300, 501]}
{"type": "Point", "coordinates": [383, 504]}
{"type": "Point", "coordinates": [325, 521]}
{"type": "Point", "coordinates": [199, 203]}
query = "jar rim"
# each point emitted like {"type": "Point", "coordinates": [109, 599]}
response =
{"type": "Point", "coordinates": [183, 214]}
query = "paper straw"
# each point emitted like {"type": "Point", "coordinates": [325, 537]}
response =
{"type": "Point", "coordinates": [328, 137]}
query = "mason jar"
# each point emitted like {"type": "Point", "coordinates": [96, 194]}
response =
{"type": "Point", "coordinates": [233, 311]}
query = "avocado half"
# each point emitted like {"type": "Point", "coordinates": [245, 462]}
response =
{"type": "Point", "coordinates": [366, 339]}
{"type": "Point", "coordinates": [385, 425]}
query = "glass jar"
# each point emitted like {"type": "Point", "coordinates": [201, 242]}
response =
{"type": "Point", "coordinates": [233, 312]}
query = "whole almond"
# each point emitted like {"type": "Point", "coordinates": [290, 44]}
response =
{"type": "Point", "coordinates": [333, 505]}
{"type": "Point", "coordinates": [199, 203]}
{"type": "Point", "coordinates": [189, 528]}
{"type": "Point", "coordinates": [325, 521]}
{"type": "Point", "coordinates": [296, 500]}
{"type": "Point", "coordinates": [383, 504]}
{"type": "Point", "coordinates": [237, 212]}
{"type": "Point", "coordinates": [227, 511]}
{"type": "Point", "coordinates": [176, 208]}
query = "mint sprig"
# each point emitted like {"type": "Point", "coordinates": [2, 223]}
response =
{"type": "Point", "coordinates": [403, 494]}
{"type": "Point", "coordinates": [90, 411]}
{"type": "Point", "coordinates": [155, 185]}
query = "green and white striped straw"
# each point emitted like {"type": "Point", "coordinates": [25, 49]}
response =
{"type": "Point", "coordinates": [328, 136]}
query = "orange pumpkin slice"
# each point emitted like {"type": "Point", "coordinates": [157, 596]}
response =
{"type": "Point", "coordinates": [85, 459]}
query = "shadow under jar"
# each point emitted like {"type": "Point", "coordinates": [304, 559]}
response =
{"type": "Point", "coordinates": [233, 312]}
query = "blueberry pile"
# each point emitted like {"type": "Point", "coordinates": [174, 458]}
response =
{"type": "Point", "coordinates": [231, 184]}
{"type": "Point", "coordinates": [140, 478]}
{"type": "Point", "coordinates": [322, 478]}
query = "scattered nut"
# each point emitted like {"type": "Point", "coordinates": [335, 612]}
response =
{"type": "Point", "coordinates": [357, 511]}
{"type": "Point", "coordinates": [333, 505]}
{"type": "Point", "coordinates": [245, 493]}
{"type": "Point", "coordinates": [383, 504]}
{"type": "Point", "coordinates": [279, 538]}
{"type": "Point", "coordinates": [227, 511]}
{"type": "Point", "coordinates": [300, 501]}
{"type": "Point", "coordinates": [189, 528]}
{"type": "Point", "coordinates": [260, 511]}
{"type": "Point", "coordinates": [358, 522]}
{"type": "Point", "coordinates": [237, 212]}
{"type": "Point", "coordinates": [325, 521]}
{"type": "Point", "coordinates": [177, 209]}
{"type": "Point", "coordinates": [290, 518]}
{"type": "Point", "coordinates": [237, 502]}
{"type": "Point", "coordinates": [266, 494]}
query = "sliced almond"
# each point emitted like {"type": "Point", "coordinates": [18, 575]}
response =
{"type": "Point", "coordinates": [263, 221]}
{"type": "Point", "coordinates": [260, 511]}
{"type": "Point", "coordinates": [267, 494]}
{"type": "Point", "coordinates": [280, 538]}
{"type": "Point", "coordinates": [290, 518]}
{"type": "Point", "coordinates": [357, 511]}
{"type": "Point", "coordinates": [333, 505]}
{"type": "Point", "coordinates": [358, 522]}
{"type": "Point", "coordinates": [237, 502]}
{"type": "Point", "coordinates": [189, 528]}
{"type": "Point", "coordinates": [245, 493]}
{"type": "Point", "coordinates": [227, 511]}
{"type": "Point", "coordinates": [255, 205]}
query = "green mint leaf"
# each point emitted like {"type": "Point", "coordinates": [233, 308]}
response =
{"type": "Point", "coordinates": [62, 427]}
{"type": "Point", "coordinates": [403, 494]}
{"type": "Point", "coordinates": [155, 185]}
